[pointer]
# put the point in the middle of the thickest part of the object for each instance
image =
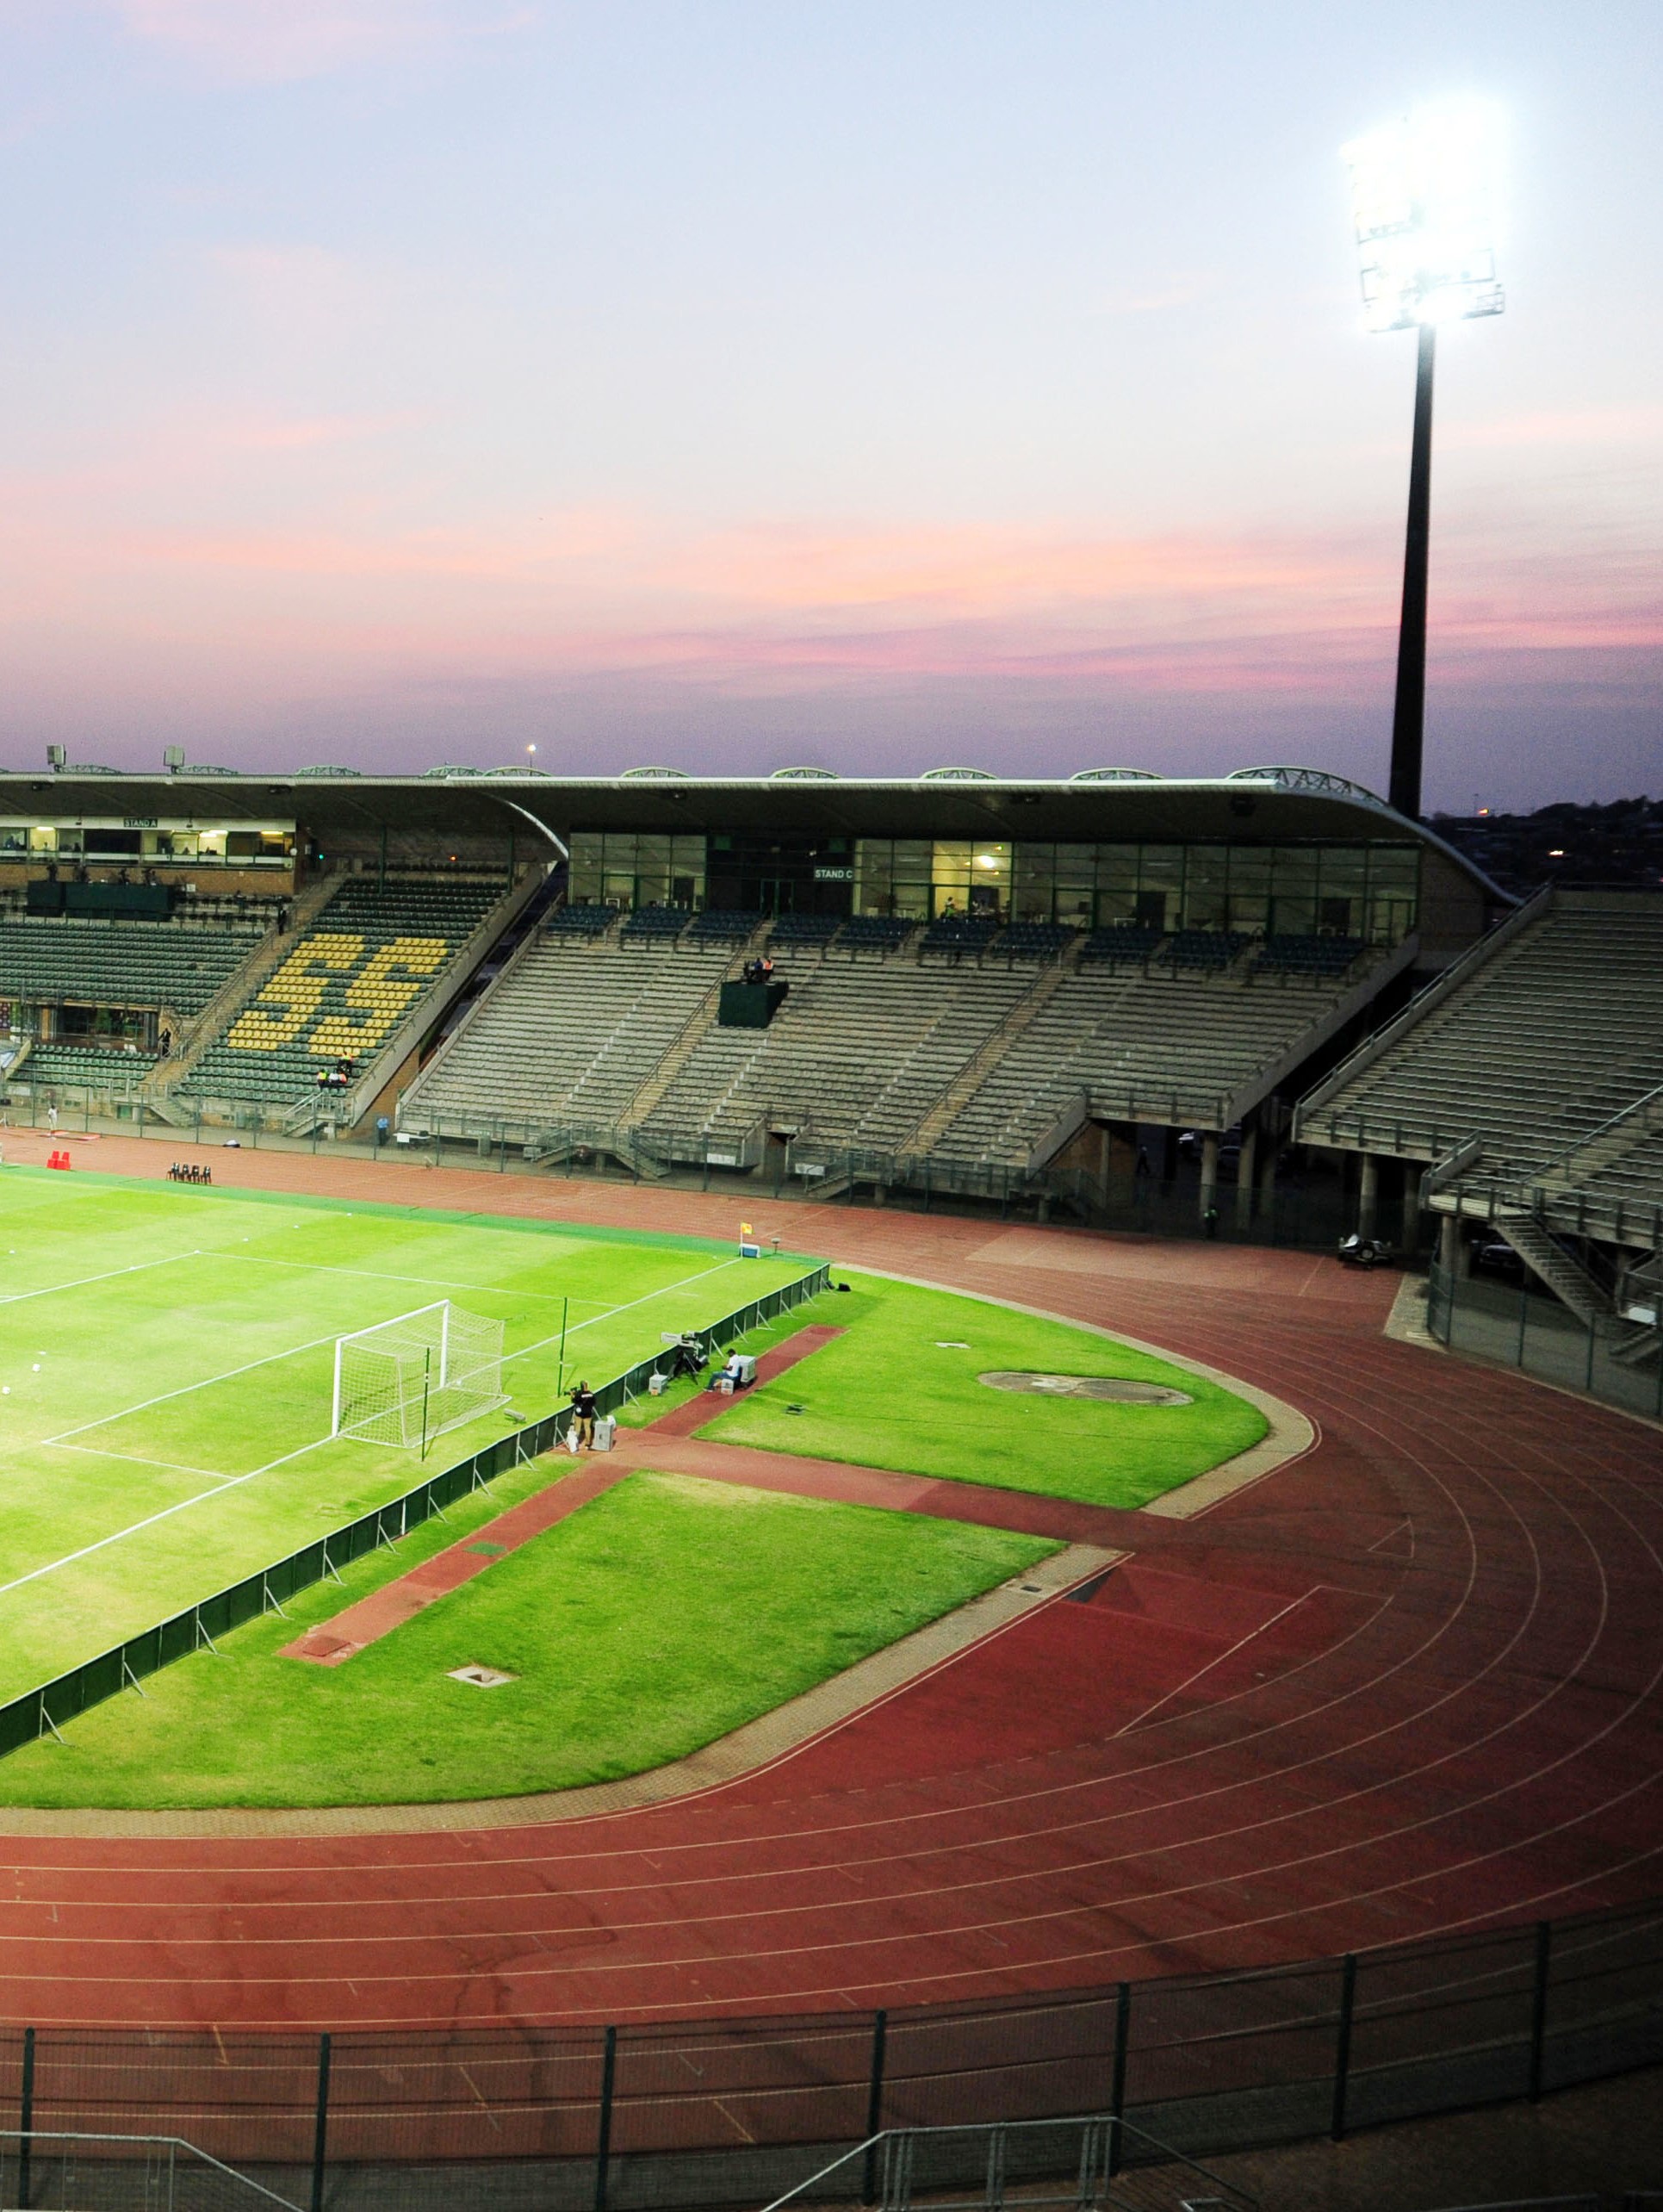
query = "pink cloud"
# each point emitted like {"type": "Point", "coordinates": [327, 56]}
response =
{"type": "Point", "coordinates": [283, 39]}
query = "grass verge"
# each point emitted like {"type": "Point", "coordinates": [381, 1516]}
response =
{"type": "Point", "coordinates": [661, 1616]}
{"type": "Point", "coordinates": [900, 1390]}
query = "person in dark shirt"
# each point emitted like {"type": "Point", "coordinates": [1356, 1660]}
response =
{"type": "Point", "coordinates": [583, 1406]}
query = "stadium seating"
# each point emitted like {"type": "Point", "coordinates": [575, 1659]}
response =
{"type": "Point", "coordinates": [570, 1030]}
{"type": "Point", "coordinates": [960, 934]}
{"type": "Point", "coordinates": [874, 933]}
{"type": "Point", "coordinates": [130, 964]}
{"type": "Point", "coordinates": [721, 925]}
{"type": "Point", "coordinates": [1528, 1045]}
{"type": "Point", "coordinates": [1205, 948]}
{"type": "Point", "coordinates": [1122, 945]}
{"type": "Point", "coordinates": [581, 921]}
{"type": "Point", "coordinates": [1158, 1044]}
{"type": "Point", "coordinates": [1033, 940]}
{"type": "Point", "coordinates": [1318, 956]}
{"type": "Point", "coordinates": [658, 922]}
{"type": "Point", "coordinates": [805, 928]}
{"type": "Point", "coordinates": [858, 1054]}
{"type": "Point", "coordinates": [85, 1067]}
{"type": "Point", "coordinates": [370, 956]}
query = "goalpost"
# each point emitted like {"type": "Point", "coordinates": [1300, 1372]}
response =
{"type": "Point", "coordinates": [407, 1380]}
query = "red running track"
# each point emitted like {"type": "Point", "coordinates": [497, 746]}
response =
{"type": "Point", "coordinates": [1408, 1684]}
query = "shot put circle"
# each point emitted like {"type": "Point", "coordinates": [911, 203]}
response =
{"type": "Point", "coordinates": [1085, 1386]}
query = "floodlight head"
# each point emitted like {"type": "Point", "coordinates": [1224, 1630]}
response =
{"type": "Point", "coordinates": [1422, 200]}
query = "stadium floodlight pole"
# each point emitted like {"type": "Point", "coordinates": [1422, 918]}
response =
{"type": "Point", "coordinates": [1421, 200]}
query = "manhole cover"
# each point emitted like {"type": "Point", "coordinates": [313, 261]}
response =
{"type": "Point", "coordinates": [1085, 1386]}
{"type": "Point", "coordinates": [482, 1678]}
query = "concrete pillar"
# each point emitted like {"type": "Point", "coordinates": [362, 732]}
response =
{"type": "Point", "coordinates": [1209, 1171]}
{"type": "Point", "coordinates": [1368, 1194]}
{"type": "Point", "coordinates": [1267, 1178]}
{"type": "Point", "coordinates": [1450, 1243]}
{"type": "Point", "coordinates": [1244, 1175]}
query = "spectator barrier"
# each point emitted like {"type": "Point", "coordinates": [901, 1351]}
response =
{"type": "Point", "coordinates": [632, 2118]}
{"type": "Point", "coordinates": [1532, 1330]}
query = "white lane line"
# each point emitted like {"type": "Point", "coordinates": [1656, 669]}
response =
{"type": "Point", "coordinates": [52, 1290]}
{"type": "Point", "coordinates": [1178, 1689]}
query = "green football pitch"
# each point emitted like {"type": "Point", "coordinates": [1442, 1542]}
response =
{"type": "Point", "coordinates": [167, 1364]}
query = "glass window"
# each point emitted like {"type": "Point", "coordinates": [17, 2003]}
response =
{"type": "Point", "coordinates": [1207, 888]}
{"type": "Point", "coordinates": [989, 878]}
{"type": "Point", "coordinates": [1033, 882]}
{"type": "Point", "coordinates": [1249, 887]}
{"type": "Point", "coordinates": [1160, 886]}
{"type": "Point", "coordinates": [1393, 893]}
{"type": "Point", "coordinates": [1293, 890]}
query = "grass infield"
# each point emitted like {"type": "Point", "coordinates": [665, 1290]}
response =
{"type": "Point", "coordinates": [900, 1390]}
{"type": "Point", "coordinates": [661, 1615]}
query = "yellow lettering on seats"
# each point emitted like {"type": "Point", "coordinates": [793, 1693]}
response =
{"type": "Point", "coordinates": [377, 1001]}
{"type": "Point", "coordinates": [290, 999]}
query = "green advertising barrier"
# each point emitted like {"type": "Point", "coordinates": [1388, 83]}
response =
{"type": "Point", "coordinates": [42, 1712]}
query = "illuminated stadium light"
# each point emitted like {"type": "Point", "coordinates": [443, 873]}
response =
{"type": "Point", "coordinates": [1422, 201]}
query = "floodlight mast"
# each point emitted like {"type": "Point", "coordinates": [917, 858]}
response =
{"type": "Point", "coordinates": [1420, 199]}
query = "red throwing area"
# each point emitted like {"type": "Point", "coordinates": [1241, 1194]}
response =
{"type": "Point", "coordinates": [1408, 1684]}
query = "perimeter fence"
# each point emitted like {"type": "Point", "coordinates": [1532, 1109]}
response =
{"type": "Point", "coordinates": [1530, 1329]}
{"type": "Point", "coordinates": [634, 2118]}
{"type": "Point", "coordinates": [44, 1710]}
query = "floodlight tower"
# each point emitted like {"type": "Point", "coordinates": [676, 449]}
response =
{"type": "Point", "coordinates": [1421, 199]}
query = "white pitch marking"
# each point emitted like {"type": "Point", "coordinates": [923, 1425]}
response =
{"type": "Point", "coordinates": [664, 1293]}
{"type": "Point", "coordinates": [235, 1481]}
{"type": "Point", "coordinates": [428, 1282]}
{"type": "Point", "coordinates": [51, 1289]}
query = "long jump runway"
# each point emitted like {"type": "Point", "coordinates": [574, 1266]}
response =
{"type": "Point", "coordinates": [1407, 1684]}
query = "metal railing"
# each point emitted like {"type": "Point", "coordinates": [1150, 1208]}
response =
{"type": "Point", "coordinates": [1018, 2162]}
{"type": "Point", "coordinates": [685, 2113]}
{"type": "Point", "coordinates": [43, 2171]}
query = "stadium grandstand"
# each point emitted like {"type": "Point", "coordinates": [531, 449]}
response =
{"type": "Point", "coordinates": [984, 979]}
{"type": "Point", "coordinates": [1527, 1083]}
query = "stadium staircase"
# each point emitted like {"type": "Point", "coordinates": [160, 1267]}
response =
{"type": "Point", "coordinates": [693, 1030]}
{"type": "Point", "coordinates": [857, 1055]}
{"type": "Point", "coordinates": [570, 1034]}
{"type": "Point", "coordinates": [965, 1086]}
{"type": "Point", "coordinates": [166, 1078]}
{"type": "Point", "coordinates": [1546, 1257]}
{"type": "Point", "coordinates": [380, 958]}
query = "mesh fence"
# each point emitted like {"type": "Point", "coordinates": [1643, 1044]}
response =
{"type": "Point", "coordinates": [1527, 1327]}
{"type": "Point", "coordinates": [730, 2111]}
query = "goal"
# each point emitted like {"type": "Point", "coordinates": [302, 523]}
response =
{"type": "Point", "coordinates": [408, 1380]}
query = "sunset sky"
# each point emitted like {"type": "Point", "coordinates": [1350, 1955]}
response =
{"type": "Point", "coordinates": [880, 383]}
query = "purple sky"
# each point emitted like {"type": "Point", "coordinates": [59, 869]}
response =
{"type": "Point", "coordinates": [391, 382]}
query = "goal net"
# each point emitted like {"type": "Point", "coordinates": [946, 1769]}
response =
{"type": "Point", "coordinates": [407, 1380]}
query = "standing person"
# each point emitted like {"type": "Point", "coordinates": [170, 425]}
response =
{"type": "Point", "coordinates": [52, 1119]}
{"type": "Point", "coordinates": [583, 1406]}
